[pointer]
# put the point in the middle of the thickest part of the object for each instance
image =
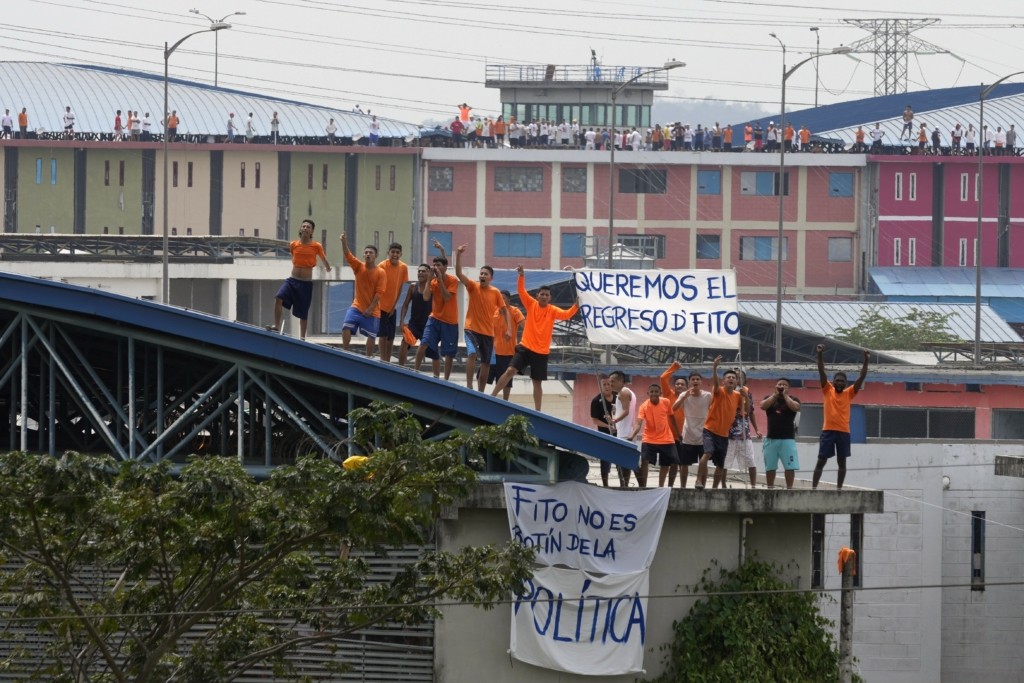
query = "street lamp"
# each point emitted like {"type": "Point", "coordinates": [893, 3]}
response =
{"type": "Point", "coordinates": [983, 92]}
{"type": "Point", "coordinates": [817, 53]}
{"type": "Point", "coordinates": [669, 65]}
{"type": "Point", "coordinates": [841, 50]}
{"type": "Point", "coordinates": [216, 38]}
{"type": "Point", "coordinates": [165, 290]}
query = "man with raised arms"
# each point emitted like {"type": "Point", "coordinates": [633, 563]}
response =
{"type": "Point", "coordinates": [396, 274]}
{"type": "Point", "coordinates": [725, 403]}
{"type": "Point", "coordinates": [835, 432]}
{"type": "Point", "coordinates": [442, 331]}
{"type": "Point", "coordinates": [485, 302]}
{"type": "Point", "coordinates": [694, 403]}
{"type": "Point", "coordinates": [364, 313]}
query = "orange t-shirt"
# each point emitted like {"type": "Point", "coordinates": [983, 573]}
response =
{"type": "Point", "coordinates": [837, 407]}
{"type": "Point", "coordinates": [922, 135]}
{"type": "Point", "coordinates": [172, 121]}
{"type": "Point", "coordinates": [669, 392]}
{"type": "Point", "coordinates": [485, 303]}
{"type": "Point", "coordinates": [23, 119]}
{"type": "Point", "coordinates": [502, 347]}
{"type": "Point", "coordinates": [748, 133]}
{"type": "Point", "coordinates": [805, 136]}
{"type": "Point", "coordinates": [464, 113]}
{"type": "Point", "coordinates": [657, 422]}
{"type": "Point", "coordinates": [395, 277]}
{"type": "Point", "coordinates": [370, 282]}
{"type": "Point", "coordinates": [499, 127]}
{"type": "Point", "coordinates": [722, 412]}
{"type": "Point", "coordinates": [727, 134]}
{"type": "Point", "coordinates": [540, 321]}
{"type": "Point", "coordinates": [789, 133]}
{"type": "Point", "coordinates": [304, 255]}
{"type": "Point", "coordinates": [445, 311]}
{"type": "Point", "coordinates": [860, 135]}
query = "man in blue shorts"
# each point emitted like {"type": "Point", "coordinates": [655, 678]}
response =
{"type": "Point", "coordinates": [780, 441]}
{"type": "Point", "coordinates": [296, 293]}
{"type": "Point", "coordinates": [835, 433]}
{"type": "Point", "coordinates": [442, 330]}
{"type": "Point", "coordinates": [371, 281]}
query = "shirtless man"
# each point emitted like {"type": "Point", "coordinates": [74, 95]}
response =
{"type": "Point", "coordinates": [296, 293]}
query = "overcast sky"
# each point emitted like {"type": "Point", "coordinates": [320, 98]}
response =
{"type": "Point", "coordinates": [415, 60]}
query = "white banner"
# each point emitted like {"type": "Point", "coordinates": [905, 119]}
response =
{"type": "Point", "coordinates": [578, 525]}
{"type": "Point", "coordinates": [570, 620]}
{"type": "Point", "coordinates": [660, 307]}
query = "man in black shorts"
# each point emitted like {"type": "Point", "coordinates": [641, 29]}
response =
{"type": "Point", "coordinates": [601, 415]}
{"type": "Point", "coordinates": [657, 422]}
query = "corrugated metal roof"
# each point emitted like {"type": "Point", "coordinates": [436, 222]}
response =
{"type": "Point", "coordinates": [949, 282]}
{"type": "Point", "coordinates": [825, 317]}
{"type": "Point", "coordinates": [96, 93]}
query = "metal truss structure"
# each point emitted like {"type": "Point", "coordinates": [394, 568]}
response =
{"type": "Point", "coordinates": [91, 371]}
{"type": "Point", "coordinates": [891, 43]}
{"type": "Point", "coordinates": [137, 248]}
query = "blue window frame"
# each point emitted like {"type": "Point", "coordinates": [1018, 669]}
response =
{"type": "Point", "coordinates": [445, 238]}
{"type": "Point", "coordinates": [522, 244]}
{"type": "Point", "coordinates": [840, 184]}
{"type": "Point", "coordinates": [39, 171]}
{"type": "Point", "coordinates": [709, 182]}
{"type": "Point", "coordinates": [572, 245]}
{"type": "Point", "coordinates": [53, 171]}
{"type": "Point", "coordinates": [709, 246]}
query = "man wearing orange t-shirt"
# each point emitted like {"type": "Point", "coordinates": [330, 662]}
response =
{"type": "Point", "coordinates": [658, 444]}
{"type": "Point", "coordinates": [396, 274]}
{"type": "Point", "coordinates": [725, 403]}
{"type": "Point", "coordinates": [364, 314]}
{"type": "Point", "coordinates": [533, 350]}
{"type": "Point", "coordinates": [442, 331]}
{"type": "Point", "coordinates": [296, 293]}
{"type": "Point", "coordinates": [505, 344]}
{"type": "Point", "coordinates": [835, 432]}
{"type": "Point", "coordinates": [485, 302]}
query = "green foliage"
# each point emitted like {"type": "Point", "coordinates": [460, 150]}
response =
{"type": "Point", "coordinates": [745, 632]}
{"type": "Point", "coordinates": [875, 331]}
{"type": "Point", "coordinates": [249, 570]}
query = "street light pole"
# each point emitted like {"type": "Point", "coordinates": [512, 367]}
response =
{"type": "Point", "coordinates": [983, 92]}
{"type": "Point", "coordinates": [165, 289]}
{"type": "Point", "coordinates": [817, 54]}
{"type": "Point", "coordinates": [782, 188]}
{"type": "Point", "coordinates": [216, 38]}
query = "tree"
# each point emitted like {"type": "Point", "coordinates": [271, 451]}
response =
{"type": "Point", "coordinates": [873, 330]}
{"type": "Point", "coordinates": [214, 572]}
{"type": "Point", "coordinates": [754, 628]}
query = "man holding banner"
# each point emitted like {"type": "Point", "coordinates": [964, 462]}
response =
{"type": "Point", "coordinates": [725, 403]}
{"type": "Point", "coordinates": [535, 346]}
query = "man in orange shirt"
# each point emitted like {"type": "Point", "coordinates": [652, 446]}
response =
{"type": "Point", "coordinates": [805, 139]}
{"type": "Point", "coordinates": [788, 137]}
{"type": "Point", "coordinates": [485, 302]}
{"type": "Point", "coordinates": [396, 274]}
{"type": "Point", "coordinates": [505, 344]}
{"type": "Point", "coordinates": [725, 403]}
{"type": "Point", "coordinates": [23, 123]}
{"type": "Point", "coordinates": [533, 350]}
{"type": "Point", "coordinates": [442, 331]}
{"type": "Point", "coordinates": [835, 433]}
{"type": "Point", "coordinates": [296, 293]}
{"type": "Point", "coordinates": [658, 444]}
{"type": "Point", "coordinates": [364, 314]}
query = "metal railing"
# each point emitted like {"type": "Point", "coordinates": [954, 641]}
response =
{"type": "Point", "coordinates": [580, 73]}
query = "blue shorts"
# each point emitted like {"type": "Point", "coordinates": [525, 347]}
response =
{"type": "Point", "coordinates": [780, 449]}
{"type": "Point", "coordinates": [443, 335]}
{"type": "Point", "coordinates": [387, 325]}
{"type": "Point", "coordinates": [479, 345]}
{"type": "Point", "coordinates": [835, 443]}
{"type": "Point", "coordinates": [296, 295]}
{"type": "Point", "coordinates": [355, 321]}
{"type": "Point", "coordinates": [716, 447]}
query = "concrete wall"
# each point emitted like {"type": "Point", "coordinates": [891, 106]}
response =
{"type": "Point", "coordinates": [49, 202]}
{"type": "Point", "coordinates": [470, 642]}
{"type": "Point", "coordinates": [110, 203]}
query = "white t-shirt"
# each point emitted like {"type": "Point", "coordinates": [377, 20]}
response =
{"type": "Point", "coordinates": [69, 119]}
{"type": "Point", "coordinates": [331, 129]}
{"type": "Point", "coordinates": [876, 134]}
{"type": "Point", "coordinates": [695, 411]}
{"type": "Point", "coordinates": [624, 427]}
{"type": "Point", "coordinates": [146, 124]}
{"type": "Point", "coordinates": [7, 122]}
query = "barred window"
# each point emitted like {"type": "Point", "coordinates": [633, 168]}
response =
{"type": "Point", "coordinates": [516, 179]}
{"type": "Point", "coordinates": [574, 179]}
{"type": "Point", "coordinates": [441, 179]}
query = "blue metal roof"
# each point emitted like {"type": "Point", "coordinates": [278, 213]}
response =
{"type": "Point", "coordinates": [199, 331]}
{"type": "Point", "coordinates": [506, 279]}
{"type": "Point", "coordinates": [1001, 288]}
{"type": "Point", "coordinates": [95, 93]}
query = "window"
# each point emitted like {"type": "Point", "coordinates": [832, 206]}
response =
{"type": "Point", "coordinates": [106, 172]}
{"type": "Point", "coordinates": [709, 182]}
{"type": "Point", "coordinates": [189, 180]}
{"type": "Point", "coordinates": [962, 256]}
{"type": "Point", "coordinates": [643, 181]}
{"type": "Point", "coordinates": [376, 181]}
{"type": "Point", "coordinates": [523, 244]}
{"type": "Point", "coordinates": [440, 179]}
{"type": "Point", "coordinates": [39, 171]}
{"type": "Point", "coordinates": [897, 192]}
{"type": "Point", "coordinates": [913, 187]}
{"type": "Point", "coordinates": [817, 550]}
{"type": "Point", "coordinates": [762, 183]}
{"type": "Point", "coordinates": [840, 184]}
{"type": "Point", "coordinates": [840, 249]}
{"type": "Point", "coordinates": [574, 179]}
{"type": "Point", "coordinates": [256, 174]}
{"type": "Point", "coordinates": [763, 248]}
{"type": "Point", "coordinates": [572, 244]}
{"type": "Point", "coordinates": [53, 171]}
{"type": "Point", "coordinates": [977, 550]}
{"type": "Point", "coordinates": [964, 184]}
{"type": "Point", "coordinates": [174, 174]}
{"type": "Point", "coordinates": [911, 251]}
{"type": "Point", "coordinates": [445, 238]}
{"type": "Point", "coordinates": [919, 423]}
{"type": "Point", "coordinates": [709, 246]}
{"type": "Point", "coordinates": [243, 174]}
{"type": "Point", "coordinates": [325, 177]}
{"type": "Point", "coordinates": [515, 179]}
{"type": "Point", "coordinates": [648, 245]}
{"type": "Point", "coordinates": [1007, 423]}
{"type": "Point", "coordinates": [897, 251]}
{"type": "Point", "coordinates": [120, 173]}
{"type": "Point", "coordinates": [393, 182]}
{"type": "Point", "coordinates": [857, 545]}
{"type": "Point", "coordinates": [309, 177]}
